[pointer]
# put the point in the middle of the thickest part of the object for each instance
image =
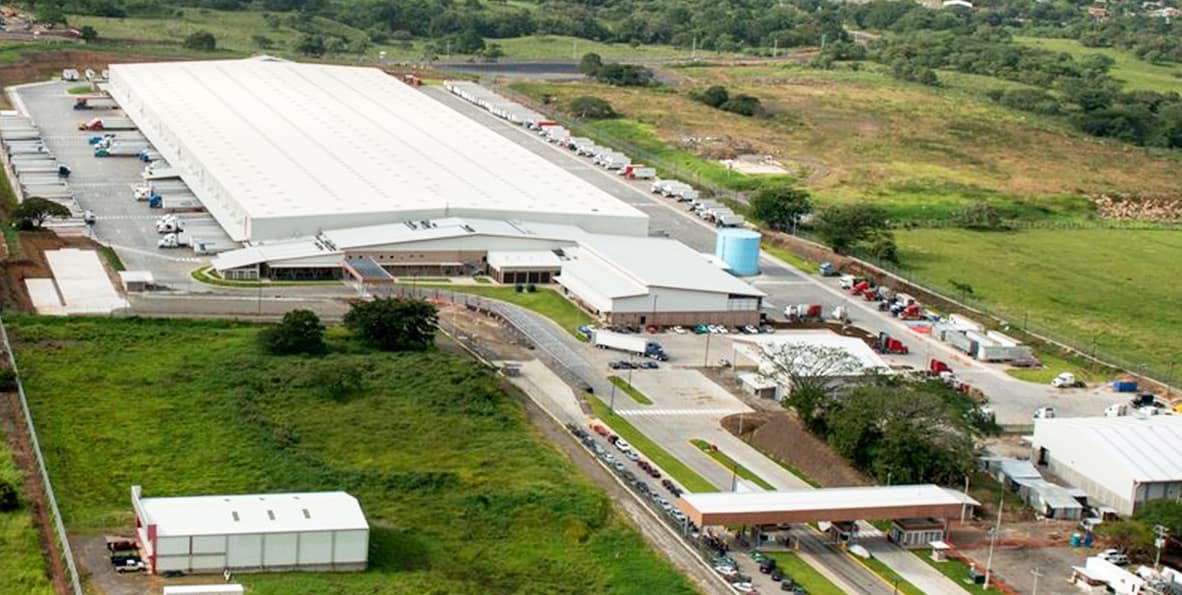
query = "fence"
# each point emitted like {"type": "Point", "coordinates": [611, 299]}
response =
{"type": "Point", "coordinates": [51, 499]}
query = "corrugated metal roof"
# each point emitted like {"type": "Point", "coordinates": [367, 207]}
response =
{"type": "Point", "coordinates": [1146, 449]}
{"type": "Point", "coordinates": [826, 499]}
{"type": "Point", "coordinates": [254, 513]}
{"type": "Point", "coordinates": [288, 140]}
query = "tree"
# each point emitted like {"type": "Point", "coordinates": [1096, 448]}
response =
{"type": "Point", "coordinates": [780, 206]}
{"type": "Point", "coordinates": [744, 105]}
{"type": "Point", "coordinates": [1133, 537]}
{"type": "Point", "coordinates": [311, 45]}
{"type": "Point", "coordinates": [1167, 513]}
{"type": "Point", "coordinates": [262, 41]}
{"type": "Point", "coordinates": [299, 332]}
{"type": "Point", "coordinates": [803, 365]}
{"type": "Point", "coordinates": [394, 324]}
{"type": "Point", "coordinates": [201, 40]}
{"type": "Point", "coordinates": [594, 108]}
{"type": "Point", "coordinates": [590, 64]}
{"type": "Point", "coordinates": [33, 212]}
{"type": "Point", "coordinates": [8, 498]}
{"type": "Point", "coordinates": [51, 14]}
{"type": "Point", "coordinates": [87, 33]}
{"type": "Point", "coordinates": [843, 226]}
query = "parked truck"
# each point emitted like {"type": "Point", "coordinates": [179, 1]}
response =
{"type": "Point", "coordinates": [636, 344]}
{"type": "Point", "coordinates": [638, 172]}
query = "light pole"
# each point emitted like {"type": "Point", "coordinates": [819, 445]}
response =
{"type": "Point", "coordinates": [992, 540]}
{"type": "Point", "coordinates": [653, 320]}
{"type": "Point", "coordinates": [1037, 572]}
{"type": "Point", "coordinates": [706, 358]}
{"type": "Point", "coordinates": [964, 505]}
{"type": "Point", "coordinates": [1158, 543]}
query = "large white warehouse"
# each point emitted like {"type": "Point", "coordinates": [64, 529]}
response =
{"type": "Point", "coordinates": [1122, 462]}
{"type": "Point", "coordinates": [276, 149]}
{"type": "Point", "coordinates": [259, 533]}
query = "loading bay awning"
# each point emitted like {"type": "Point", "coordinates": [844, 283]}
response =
{"type": "Point", "coordinates": [824, 504]}
{"type": "Point", "coordinates": [366, 270]}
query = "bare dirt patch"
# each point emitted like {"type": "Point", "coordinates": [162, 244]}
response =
{"type": "Point", "coordinates": [31, 264]}
{"type": "Point", "coordinates": [780, 436]}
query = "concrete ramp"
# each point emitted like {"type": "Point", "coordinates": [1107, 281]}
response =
{"type": "Point", "coordinates": [83, 283]}
{"type": "Point", "coordinates": [43, 293]}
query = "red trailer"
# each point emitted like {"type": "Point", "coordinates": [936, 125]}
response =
{"type": "Point", "coordinates": [889, 344]}
{"type": "Point", "coordinates": [937, 366]}
{"type": "Point", "coordinates": [859, 287]}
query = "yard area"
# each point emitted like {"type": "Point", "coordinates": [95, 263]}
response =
{"type": "Point", "coordinates": [1111, 288]}
{"type": "Point", "coordinates": [803, 574]}
{"type": "Point", "coordinates": [22, 569]}
{"type": "Point", "coordinates": [462, 494]}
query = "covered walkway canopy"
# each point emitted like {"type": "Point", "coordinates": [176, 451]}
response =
{"type": "Point", "coordinates": [825, 504]}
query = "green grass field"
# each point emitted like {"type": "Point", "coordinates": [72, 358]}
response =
{"type": "Point", "coordinates": [544, 301]}
{"type": "Point", "coordinates": [1111, 288]}
{"type": "Point", "coordinates": [22, 569]}
{"type": "Point", "coordinates": [630, 390]}
{"type": "Point", "coordinates": [462, 494]}
{"type": "Point", "coordinates": [1135, 72]}
{"type": "Point", "coordinates": [730, 463]}
{"type": "Point", "coordinates": [955, 570]}
{"type": "Point", "coordinates": [798, 262]}
{"type": "Point", "coordinates": [803, 574]}
{"type": "Point", "coordinates": [667, 462]}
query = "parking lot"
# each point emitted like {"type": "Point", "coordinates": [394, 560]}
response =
{"type": "Point", "coordinates": [104, 186]}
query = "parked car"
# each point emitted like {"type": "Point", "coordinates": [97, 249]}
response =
{"type": "Point", "coordinates": [679, 330]}
{"type": "Point", "coordinates": [128, 564]}
{"type": "Point", "coordinates": [622, 365]}
{"type": "Point", "coordinates": [650, 365]}
{"type": "Point", "coordinates": [1115, 556]}
{"type": "Point", "coordinates": [750, 330]}
{"type": "Point", "coordinates": [622, 444]}
{"type": "Point", "coordinates": [701, 329]}
{"type": "Point", "coordinates": [776, 575]}
{"type": "Point", "coordinates": [631, 455]}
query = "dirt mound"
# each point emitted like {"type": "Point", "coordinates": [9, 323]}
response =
{"type": "Point", "coordinates": [1140, 207]}
{"type": "Point", "coordinates": [781, 436]}
{"type": "Point", "coordinates": [721, 147]}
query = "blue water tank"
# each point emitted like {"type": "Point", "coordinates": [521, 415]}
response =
{"type": "Point", "coordinates": [739, 249]}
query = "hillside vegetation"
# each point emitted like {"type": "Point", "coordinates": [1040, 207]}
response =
{"type": "Point", "coordinates": [462, 494]}
{"type": "Point", "coordinates": [22, 569]}
{"type": "Point", "coordinates": [924, 153]}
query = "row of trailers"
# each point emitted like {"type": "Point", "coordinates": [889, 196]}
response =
{"type": "Point", "coordinates": [605, 157]}
{"type": "Point", "coordinates": [35, 169]}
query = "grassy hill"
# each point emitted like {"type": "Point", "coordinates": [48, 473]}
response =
{"type": "Point", "coordinates": [22, 569]}
{"type": "Point", "coordinates": [923, 153]}
{"type": "Point", "coordinates": [1135, 72]}
{"type": "Point", "coordinates": [462, 494]}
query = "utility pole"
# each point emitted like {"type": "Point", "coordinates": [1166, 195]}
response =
{"type": "Point", "coordinates": [964, 505]}
{"type": "Point", "coordinates": [706, 358]}
{"type": "Point", "coordinates": [993, 533]}
{"type": "Point", "coordinates": [1037, 572]}
{"type": "Point", "coordinates": [1158, 543]}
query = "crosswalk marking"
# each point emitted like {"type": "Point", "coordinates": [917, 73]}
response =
{"type": "Point", "coordinates": [671, 412]}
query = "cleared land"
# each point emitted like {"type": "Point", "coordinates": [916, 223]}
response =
{"type": "Point", "coordinates": [463, 495]}
{"type": "Point", "coordinates": [924, 153]}
{"type": "Point", "coordinates": [22, 569]}
{"type": "Point", "coordinates": [1113, 288]}
{"type": "Point", "coordinates": [1135, 72]}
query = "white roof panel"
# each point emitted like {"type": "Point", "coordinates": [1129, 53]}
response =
{"type": "Point", "coordinates": [255, 513]}
{"type": "Point", "coordinates": [826, 498]}
{"type": "Point", "coordinates": [1142, 448]}
{"type": "Point", "coordinates": [289, 140]}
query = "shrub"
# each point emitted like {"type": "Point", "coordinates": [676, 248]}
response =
{"type": "Point", "coordinates": [299, 332]}
{"type": "Point", "coordinates": [201, 40]}
{"type": "Point", "coordinates": [8, 498]}
{"type": "Point", "coordinates": [594, 108]}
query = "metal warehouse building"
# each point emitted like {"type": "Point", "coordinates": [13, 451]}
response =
{"type": "Point", "coordinates": [259, 533]}
{"type": "Point", "coordinates": [275, 149]}
{"type": "Point", "coordinates": [1122, 462]}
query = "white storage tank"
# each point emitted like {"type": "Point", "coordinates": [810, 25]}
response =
{"type": "Point", "coordinates": [739, 249]}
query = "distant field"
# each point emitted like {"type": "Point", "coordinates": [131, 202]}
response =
{"type": "Point", "coordinates": [22, 569]}
{"type": "Point", "coordinates": [1115, 288]}
{"type": "Point", "coordinates": [1137, 73]}
{"type": "Point", "coordinates": [849, 135]}
{"type": "Point", "coordinates": [463, 495]}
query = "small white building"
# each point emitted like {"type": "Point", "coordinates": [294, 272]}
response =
{"type": "Point", "coordinates": [313, 531]}
{"type": "Point", "coordinates": [1122, 462]}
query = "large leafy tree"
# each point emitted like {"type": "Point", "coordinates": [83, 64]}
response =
{"type": "Point", "coordinates": [34, 211]}
{"type": "Point", "coordinates": [394, 324]}
{"type": "Point", "coordinates": [779, 207]}
{"type": "Point", "coordinates": [846, 227]}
